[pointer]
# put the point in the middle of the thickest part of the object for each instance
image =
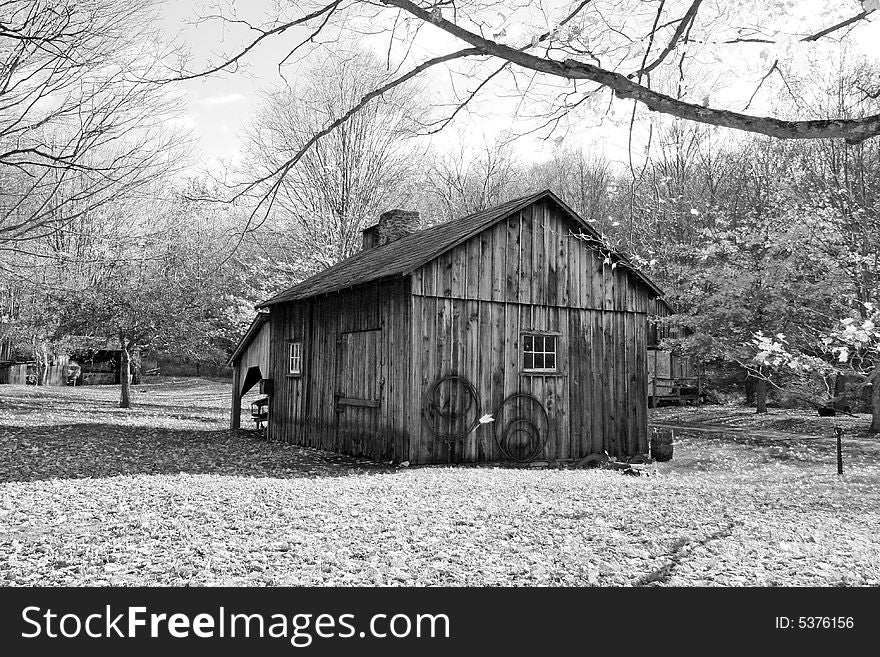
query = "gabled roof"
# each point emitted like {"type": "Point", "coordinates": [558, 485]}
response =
{"type": "Point", "coordinates": [408, 253]}
{"type": "Point", "coordinates": [248, 336]}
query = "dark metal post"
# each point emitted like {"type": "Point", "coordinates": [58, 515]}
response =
{"type": "Point", "coordinates": [839, 431]}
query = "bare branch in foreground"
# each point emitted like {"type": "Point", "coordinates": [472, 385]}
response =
{"type": "Point", "coordinates": [851, 130]}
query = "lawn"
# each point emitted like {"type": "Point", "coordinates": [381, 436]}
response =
{"type": "Point", "coordinates": [164, 494]}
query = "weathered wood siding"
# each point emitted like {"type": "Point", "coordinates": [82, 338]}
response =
{"type": "Point", "coordinates": [303, 409]}
{"type": "Point", "coordinates": [532, 272]}
{"type": "Point", "coordinates": [535, 257]}
{"type": "Point", "coordinates": [16, 373]}
{"type": "Point", "coordinates": [256, 354]}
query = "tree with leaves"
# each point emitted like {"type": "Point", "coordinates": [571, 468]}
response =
{"type": "Point", "coordinates": [151, 281]}
{"type": "Point", "coordinates": [851, 348]}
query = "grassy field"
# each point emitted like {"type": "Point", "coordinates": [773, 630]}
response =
{"type": "Point", "coordinates": [163, 494]}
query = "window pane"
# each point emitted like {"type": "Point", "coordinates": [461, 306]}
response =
{"type": "Point", "coordinates": [527, 343]}
{"type": "Point", "coordinates": [294, 357]}
{"type": "Point", "coordinates": [539, 361]}
{"type": "Point", "coordinates": [551, 344]}
{"type": "Point", "coordinates": [550, 361]}
{"type": "Point", "coordinates": [528, 361]}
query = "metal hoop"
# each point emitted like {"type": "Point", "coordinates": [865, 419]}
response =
{"type": "Point", "coordinates": [506, 429]}
{"type": "Point", "coordinates": [432, 409]}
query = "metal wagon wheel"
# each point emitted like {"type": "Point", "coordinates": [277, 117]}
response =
{"type": "Point", "coordinates": [521, 427]}
{"type": "Point", "coordinates": [451, 408]}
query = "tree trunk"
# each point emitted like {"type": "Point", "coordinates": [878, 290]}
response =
{"type": "Point", "coordinates": [875, 405]}
{"type": "Point", "coordinates": [41, 356]}
{"type": "Point", "coordinates": [125, 375]}
{"type": "Point", "coordinates": [135, 364]}
{"type": "Point", "coordinates": [839, 391]}
{"type": "Point", "coordinates": [761, 396]}
{"type": "Point", "coordinates": [749, 387]}
{"type": "Point", "coordinates": [44, 367]}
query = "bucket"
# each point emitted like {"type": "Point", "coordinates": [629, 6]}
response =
{"type": "Point", "coordinates": [661, 444]}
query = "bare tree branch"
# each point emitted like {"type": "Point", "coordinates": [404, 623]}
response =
{"type": "Point", "coordinates": [264, 34]}
{"type": "Point", "coordinates": [686, 21]}
{"type": "Point", "coordinates": [851, 130]}
{"type": "Point", "coordinates": [774, 67]}
{"type": "Point", "coordinates": [839, 26]}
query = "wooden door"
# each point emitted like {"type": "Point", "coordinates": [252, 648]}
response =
{"type": "Point", "coordinates": [659, 368]}
{"type": "Point", "coordinates": [359, 392]}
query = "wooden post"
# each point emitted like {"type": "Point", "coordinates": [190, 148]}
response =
{"type": "Point", "coordinates": [235, 414]}
{"type": "Point", "coordinates": [839, 431]}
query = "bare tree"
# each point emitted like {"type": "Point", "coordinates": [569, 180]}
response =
{"type": "Point", "coordinates": [79, 119]}
{"type": "Point", "coordinates": [463, 184]}
{"type": "Point", "coordinates": [583, 179]}
{"type": "Point", "coordinates": [346, 179]}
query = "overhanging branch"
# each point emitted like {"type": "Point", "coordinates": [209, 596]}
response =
{"type": "Point", "coordinates": [851, 130]}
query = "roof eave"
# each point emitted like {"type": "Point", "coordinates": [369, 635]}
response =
{"type": "Point", "coordinates": [269, 302]}
{"type": "Point", "coordinates": [247, 338]}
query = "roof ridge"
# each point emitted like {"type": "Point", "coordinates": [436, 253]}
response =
{"type": "Point", "coordinates": [406, 254]}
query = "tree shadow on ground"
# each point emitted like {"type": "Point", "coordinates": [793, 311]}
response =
{"type": "Point", "coordinates": [82, 450]}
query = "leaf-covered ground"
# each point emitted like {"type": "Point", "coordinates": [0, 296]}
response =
{"type": "Point", "coordinates": [163, 494]}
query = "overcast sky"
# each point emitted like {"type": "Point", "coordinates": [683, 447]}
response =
{"type": "Point", "coordinates": [218, 107]}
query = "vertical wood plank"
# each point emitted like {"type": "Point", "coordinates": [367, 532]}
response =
{"type": "Point", "coordinates": [620, 375]}
{"type": "Point", "coordinates": [485, 273]}
{"type": "Point", "coordinates": [526, 257]}
{"type": "Point", "coordinates": [514, 256]}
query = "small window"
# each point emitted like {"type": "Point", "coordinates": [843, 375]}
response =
{"type": "Point", "coordinates": [539, 353]}
{"type": "Point", "coordinates": [294, 357]}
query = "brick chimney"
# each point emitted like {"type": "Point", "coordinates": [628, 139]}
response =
{"type": "Point", "coordinates": [370, 236]}
{"type": "Point", "coordinates": [392, 225]}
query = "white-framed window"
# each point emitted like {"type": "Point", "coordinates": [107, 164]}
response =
{"type": "Point", "coordinates": [539, 352]}
{"type": "Point", "coordinates": [294, 357]}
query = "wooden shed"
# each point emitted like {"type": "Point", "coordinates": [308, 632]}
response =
{"type": "Point", "coordinates": [509, 334]}
{"type": "Point", "coordinates": [673, 377]}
